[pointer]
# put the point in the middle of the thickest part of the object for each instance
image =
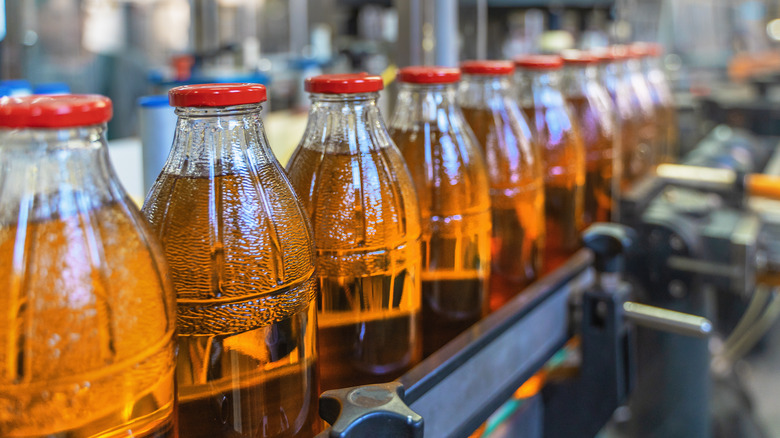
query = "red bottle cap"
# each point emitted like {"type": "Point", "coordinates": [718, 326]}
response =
{"type": "Point", "coordinates": [487, 67]}
{"type": "Point", "coordinates": [578, 57]}
{"type": "Point", "coordinates": [56, 111]}
{"type": "Point", "coordinates": [602, 54]}
{"type": "Point", "coordinates": [641, 49]}
{"type": "Point", "coordinates": [655, 49]}
{"type": "Point", "coordinates": [620, 52]}
{"type": "Point", "coordinates": [429, 75]}
{"type": "Point", "coordinates": [216, 95]}
{"type": "Point", "coordinates": [344, 83]}
{"type": "Point", "coordinates": [539, 62]}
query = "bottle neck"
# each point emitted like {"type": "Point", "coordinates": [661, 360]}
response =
{"type": "Point", "coordinates": [345, 124]}
{"type": "Point", "coordinates": [215, 141]}
{"type": "Point", "coordinates": [539, 88]}
{"type": "Point", "coordinates": [54, 172]}
{"type": "Point", "coordinates": [483, 91]}
{"type": "Point", "coordinates": [633, 66]}
{"type": "Point", "coordinates": [611, 75]}
{"type": "Point", "coordinates": [577, 78]}
{"type": "Point", "coordinates": [653, 69]}
{"type": "Point", "coordinates": [424, 103]}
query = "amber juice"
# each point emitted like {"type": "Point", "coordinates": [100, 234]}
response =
{"type": "Point", "coordinates": [74, 365]}
{"type": "Point", "coordinates": [368, 258]}
{"type": "Point", "coordinates": [455, 210]}
{"type": "Point", "coordinates": [246, 320]}
{"type": "Point", "coordinates": [517, 206]}
{"type": "Point", "coordinates": [562, 155]}
{"type": "Point", "coordinates": [598, 139]}
{"type": "Point", "coordinates": [668, 132]}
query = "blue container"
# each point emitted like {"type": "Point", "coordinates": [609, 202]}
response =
{"type": "Point", "coordinates": [52, 88]}
{"type": "Point", "coordinates": [18, 87]}
{"type": "Point", "coordinates": [157, 124]}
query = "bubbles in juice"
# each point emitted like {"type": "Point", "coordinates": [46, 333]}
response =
{"type": "Point", "coordinates": [598, 138]}
{"type": "Point", "coordinates": [241, 263]}
{"type": "Point", "coordinates": [516, 198]}
{"type": "Point", "coordinates": [366, 227]}
{"type": "Point", "coordinates": [564, 162]}
{"type": "Point", "coordinates": [453, 190]}
{"type": "Point", "coordinates": [87, 339]}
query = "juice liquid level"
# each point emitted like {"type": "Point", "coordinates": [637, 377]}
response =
{"type": "Point", "coordinates": [564, 161]}
{"type": "Point", "coordinates": [455, 209]}
{"type": "Point", "coordinates": [252, 384]}
{"type": "Point", "coordinates": [246, 363]}
{"type": "Point", "coordinates": [450, 306]}
{"type": "Point", "coordinates": [368, 262]}
{"type": "Point", "coordinates": [375, 350]}
{"type": "Point", "coordinates": [668, 132]}
{"type": "Point", "coordinates": [597, 136]}
{"type": "Point", "coordinates": [517, 203]}
{"type": "Point", "coordinates": [96, 357]}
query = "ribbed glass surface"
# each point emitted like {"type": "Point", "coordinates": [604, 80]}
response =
{"type": "Point", "coordinates": [594, 112]}
{"type": "Point", "coordinates": [241, 259]}
{"type": "Point", "coordinates": [88, 314]}
{"type": "Point", "coordinates": [516, 183]}
{"type": "Point", "coordinates": [563, 156]}
{"type": "Point", "coordinates": [448, 169]}
{"type": "Point", "coordinates": [366, 221]}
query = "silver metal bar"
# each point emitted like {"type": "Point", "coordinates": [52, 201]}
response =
{"type": "Point", "coordinates": [409, 47]}
{"type": "Point", "coordinates": [446, 33]}
{"type": "Point", "coordinates": [667, 320]}
{"type": "Point", "coordinates": [704, 267]}
{"type": "Point", "coordinates": [298, 11]}
{"type": "Point", "coordinates": [482, 26]}
{"type": "Point", "coordinates": [700, 176]}
{"type": "Point", "coordinates": [459, 386]}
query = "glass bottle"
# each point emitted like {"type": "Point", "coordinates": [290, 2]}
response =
{"type": "Point", "coordinates": [644, 111]}
{"type": "Point", "coordinates": [563, 155]}
{"type": "Point", "coordinates": [592, 108]}
{"type": "Point", "coordinates": [242, 263]}
{"type": "Point", "coordinates": [361, 200]}
{"type": "Point", "coordinates": [449, 173]}
{"type": "Point", "coordinates": [611, 75]}
{"type": "Point", "coordinates": [515, 173]}
{"type": "Point", "coordinates": [663, 99]}
{"type": "Point", "coordinates": [86, 332]}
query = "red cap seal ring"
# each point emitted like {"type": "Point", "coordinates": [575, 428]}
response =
{"type": "Point", "coordinates": [60, 111]}
{"type": "Point", "coordinates": [429, 75]}
{"type": "Point", "coordinates": [497, 68]}
{"type": "Point", "coordinates": [210, 95]}
{"type": "Point", "coordinates": [578, 57]}
{"type": "Point", "coordinates": [539, 62]}
{"type": "Point", "coordinates": [349, 83]}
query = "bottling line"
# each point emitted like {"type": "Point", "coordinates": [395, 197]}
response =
{"type": "Point", "coordinates": [400, 202]}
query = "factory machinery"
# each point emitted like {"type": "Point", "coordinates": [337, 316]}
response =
{"type": "Point", "coordinates": [633, 315]}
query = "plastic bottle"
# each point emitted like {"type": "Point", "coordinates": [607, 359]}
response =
{"type": "Point", "coordinates": [515, 172]}
{"type": "Point", "coordinates": [449, 172]}
{"type": "Point", "coordinates": [242, 262]}
{"type": "Point", "coordinates": [363, 208]}
{"type": "Point", "coordinates": [86, 332]}
{"type": "Point", "coordinates": [593, 110]}
{"type": "Point", "coordinates": [563, 155]}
